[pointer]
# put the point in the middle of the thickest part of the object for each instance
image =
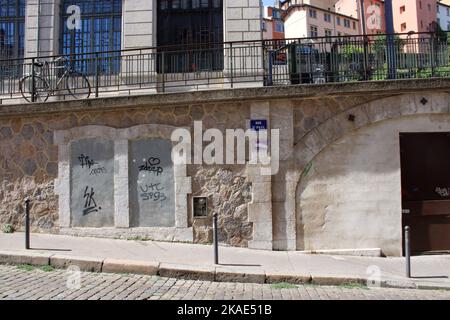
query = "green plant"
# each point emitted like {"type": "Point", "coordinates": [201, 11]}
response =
{"type": "Point", "coordinates": [7, 228]}
{"type": "Point", "coordinates": [47, 268]}
{"type": "Point", "coordinates": [350, 51]}
{"type": "Point", "coordinates": [25, 267]}
{"type": "Point", "coordinates": [379, 46]}
{"type": "Point", "coordinates": [283, 285]}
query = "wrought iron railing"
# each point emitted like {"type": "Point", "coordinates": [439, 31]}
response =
{"type": "Point", "coordinates": [228, 65]}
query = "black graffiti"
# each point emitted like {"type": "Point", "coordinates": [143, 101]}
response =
{"type": "Point", "coordinates": [153, 192]}
{"type": "Point", "coordinates": [98, 171]}
{"type": "Point", "coordinates": [155, 196]}
{"type": "Point", "coordinates": [152, 165]}
{"type": "Point", "coordinates": [86, 161]}
{"type": "Point", "coordinates": [152, 187]}
{"type": "Point", "coordinates": [90, 205]}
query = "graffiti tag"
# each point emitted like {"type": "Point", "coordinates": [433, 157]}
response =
{"type": "Point", "coordinates": [152, 165]}
{"type": "Point", "coordinates": [443, 192]}
{"type": "Point", "coordinates": [153, 192]}
{"type": "Point", "coordinates": [90, 205]}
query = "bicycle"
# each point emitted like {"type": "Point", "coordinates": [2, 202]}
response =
{"type": "Point", "coordinates": [38, 87]}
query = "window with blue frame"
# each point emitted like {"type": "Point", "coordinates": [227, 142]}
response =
{"type": "Point", "coordinates": [190, 33]}
{"type": "Point", "coordinates": [279, 27]}
{"type": "Point", "coordinates": [12, 28]}
{"type": "Point", "coordinates": [98, 34]}
{"type": "Point", "coordinates": [12, 34]}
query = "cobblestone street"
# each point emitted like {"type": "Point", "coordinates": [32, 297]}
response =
{"type": "Point", "coordinates": [26, 282]}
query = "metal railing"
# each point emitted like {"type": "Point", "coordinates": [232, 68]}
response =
{"type": "Point", "coordinates": [227, 65]}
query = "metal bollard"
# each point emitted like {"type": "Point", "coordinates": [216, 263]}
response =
{"type": "Point", "coordinates": [407, 252]}
{"type": "Point", "coordinates": [27, 223]}
{"type": "Point", "coordinates": [215, 240]}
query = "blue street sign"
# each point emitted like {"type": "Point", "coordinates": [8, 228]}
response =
{"type": "Point", "coordinates": [258, 125]}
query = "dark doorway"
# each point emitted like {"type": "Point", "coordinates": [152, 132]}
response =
{"type": "Point", "coordinates": [425, 166]}
{"type": "Point", "coordinates": [190, 35]}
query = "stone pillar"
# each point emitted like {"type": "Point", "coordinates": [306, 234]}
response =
{"type": "Point", "coordinates": [62, 183]}
{"type": "Point", "coordinates": [284, 183]}
{"type": "Point", "coordinates": [243, 61]}
{"type": "Point", "coordinates": [121, 192]}
{"type": "Point", "coordinates": [138, 31]}
{"type": "Point", "coordinates": [183, 186]}
{"type": "Point", "coordinates": [260, 209]}
{"type": "Point", "coordinates": [242, 20]}
{"type": "Point", "coordinates": [138, 23]}
{"type": "Point", "coordinates": [49, 27]}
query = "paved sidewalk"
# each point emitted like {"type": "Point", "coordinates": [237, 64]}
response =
{"type": "Point", "coordinates": [192, 261]}
{"type": "Point", "coordinates": [18, 283]}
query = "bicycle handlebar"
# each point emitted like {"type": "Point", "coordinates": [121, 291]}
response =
{"type": "Point", "coordinates": [61, 59]}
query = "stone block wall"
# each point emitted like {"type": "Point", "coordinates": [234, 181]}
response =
{"type": "Point", "coordinates": [49, 28]}
{"type": "Point", "coordinates": [338, 184]}
{"type": "Point", "coordinates": [138, 23]}
{"type": "Point", "coordinates": [242, 20]}
{"type": "Point", "coordinates": [29, 167]}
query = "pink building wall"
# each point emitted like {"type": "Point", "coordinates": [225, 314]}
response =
{"type": "Point", "coordinates": [298, 22]}
{"type": "Point", "coordinates": [414, 15]}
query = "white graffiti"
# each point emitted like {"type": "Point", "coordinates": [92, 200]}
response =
{"type": "Point", "coordinates": [374, 278]}
{"type": "Point", "coordinates": [443, 192]}
{"type": "Point", "coordinates": [230, 148]}
{"type": "Point", "coordinates": [73, 278]}
{"type": "Point", "coordinates": [373, 21]}
{"type": "Point", "coordinates": [74, 20]}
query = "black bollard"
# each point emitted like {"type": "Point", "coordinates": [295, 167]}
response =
{"type": "Point", "coordinates": [27, 223]}
{"type": "Point", "coordinates": [215, 240]}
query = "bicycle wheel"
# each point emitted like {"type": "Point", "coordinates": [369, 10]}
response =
{"type": "Point", "coordinates": [78, 86]}
{"type": "Point", "coordinates": [41, 89]}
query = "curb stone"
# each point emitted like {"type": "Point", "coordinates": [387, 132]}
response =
{"type": "Point", "coordinates": [33, 258]}
{"type": "Point", "coordinates": [84, 263]}
{"type": "Point", "coordinates": [229, 276]}
{"type": "Point", "coordinates": [336, 281]}
{"type": "Point", "coordinates": [191, 272]}
{"type": "Point", "coordinates": [294, 279]}
{"type": "Point", "coordinates": [188, 272]}
{"type": "Point", "coordinates": [129, 266]}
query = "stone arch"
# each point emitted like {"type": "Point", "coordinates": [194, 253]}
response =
{"type": "Point", "coordinates": [308, 146]}
{"type": "Point", "coordinates": [316, 141]}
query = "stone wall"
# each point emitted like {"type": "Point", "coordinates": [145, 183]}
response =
{"type": "Point", "coordinates": [228, 193]}
{"type": "Point", "coordinates": [356, 181]}
{"type": "Point", "coordinates": [331, 147]}
{"type": "Point", "coordinates": [29, 166]}
{"type": "Point", "coordinates": [242, 20]}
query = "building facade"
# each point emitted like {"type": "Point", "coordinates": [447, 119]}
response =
{"type": "Point", "coordinates": [42, 28]}
{"type": "Point", "coordinates": [415, 16]}
{"type": "Point", "coordinates": [273, 23]}
{"type": "Point", "coordinates": [443, 15]}
{"type": "Point", "coordinates": [304, 20]}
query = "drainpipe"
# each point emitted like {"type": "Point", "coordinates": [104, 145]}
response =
{"type": "Point", "coordinates": [389, 16]}
{"type": "Point", "coordinates": [363, 17]}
